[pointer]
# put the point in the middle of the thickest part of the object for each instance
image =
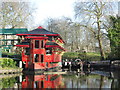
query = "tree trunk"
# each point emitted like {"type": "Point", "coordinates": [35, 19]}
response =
{"type": "Point", "coordinates": [100, 41]}
{"type": "Point", "coordinates": [72, 47]}
{"type": "Point", "coordinates": [101, 49]}
{"type": "Point", "coordinates": [101, 82]}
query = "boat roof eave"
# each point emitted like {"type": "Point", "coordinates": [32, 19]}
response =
{"type": "Point", "coordinates": [38, 34]}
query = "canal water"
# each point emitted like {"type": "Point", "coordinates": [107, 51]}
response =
{"type": "Point", "coordinates": [85, 79]}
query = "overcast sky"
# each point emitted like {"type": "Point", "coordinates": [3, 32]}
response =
{"type": "Point", "coordinates": [52, 8]}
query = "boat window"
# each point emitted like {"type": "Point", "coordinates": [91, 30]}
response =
{"type": "Point", "coordinates": [48, 51]}
{"type": "Point", "coordinates": [36, 84]}
{"type": "Point", "coordinates": [42, 58]}
{"type": "Point", "coordinates": [37, 43]}
{"type": "Point", "coordinates": [36, 57]}
{"type": "Point", "coordinates": [42, 84]}
{"type": "Point", "coordinates": [39, 58]}
{"type": "Point", "coordinates": [42, 44]}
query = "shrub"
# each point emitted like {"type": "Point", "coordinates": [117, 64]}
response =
{"type": "Point", "coordinates": [6, 62]}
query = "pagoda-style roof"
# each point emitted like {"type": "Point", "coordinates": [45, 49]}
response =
{"type": "Point", "coordinates": [39, 31]}
{"type": "Point", "coordinates": [23, 44]}
{"type": "Point", "coordinates": [36, 37]}
{"type": "Point", "coordinates": [54, 45]}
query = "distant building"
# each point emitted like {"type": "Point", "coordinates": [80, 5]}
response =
{"type": "Point", "coordinates": [8, 38]}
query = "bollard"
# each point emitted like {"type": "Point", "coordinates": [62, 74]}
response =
{"type": "Point", "coordinates": [65, 63]}
{"type": "Point", "coordinates": [70, 67]}
{"type": "Point", "coordinates": [81, 66]}
{"type": "Point", "coordinates": [20, 78]}
{"type": "Point", "coordinates": [78, 70]}
{"type": "Point", "coordinates": [20, 64]}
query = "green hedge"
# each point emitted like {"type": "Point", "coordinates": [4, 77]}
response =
{"type": "Point", "coordinates": [70, 55]}
{"type": "Point", "coordinates": [91, 56]}
{"type": "Point", "coordinates": [7, 62]}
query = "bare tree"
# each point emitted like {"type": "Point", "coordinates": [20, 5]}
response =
{"type": "Point", "coordinates": [92, 15]}
{"type": "Point", "coordinates": [15, 14]}
{"type": "Point", "coordinates": [74, 35]}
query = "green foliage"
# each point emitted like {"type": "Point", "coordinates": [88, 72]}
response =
{"type": "Point", "coordinates": [8, 82]}
{"type": "Point", "coordinates": [114, 36]}
{"type": "Point", "coordinates": [81, 55]}
{"type": "Point", "coordinates": [92, 56]}
{"type": "Point", "coordinates": [70, 55]}
{"type": "Point", "coordinates": [6, 62]}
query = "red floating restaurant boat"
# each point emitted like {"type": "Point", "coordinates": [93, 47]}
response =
{"type": "Point", "coordinates": [41, 49]}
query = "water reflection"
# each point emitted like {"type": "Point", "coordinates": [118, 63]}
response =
{"type": "Point", "coordinates": [94, 79]}
{"type": "Point", "coordinates": [91, 81]}
{"type": "Point", "coordinates": [7, 82]}
{"type": "Point", "coordinates": [43, 81]}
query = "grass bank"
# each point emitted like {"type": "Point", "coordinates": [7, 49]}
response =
{"type": "Point", "coordinates": [91, 56]}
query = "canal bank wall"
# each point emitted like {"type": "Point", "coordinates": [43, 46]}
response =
{"type": "Point", "coordinates": [11, 71]}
